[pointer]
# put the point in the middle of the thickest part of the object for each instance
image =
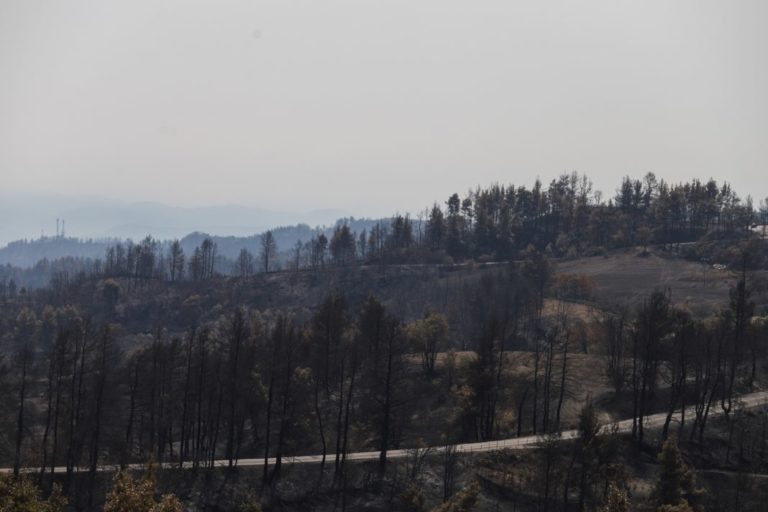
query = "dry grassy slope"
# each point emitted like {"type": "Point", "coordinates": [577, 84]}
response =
{"type": "Point", "coordinates": [625, 278]}
{"type": "Point", "coordinates": [621, 278]}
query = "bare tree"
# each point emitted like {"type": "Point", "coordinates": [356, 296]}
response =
{"type": "Point", "coordinates": [268, 251]}
{"type": "Point", "coordinates": [25, 334]}
{"type": "Point", "coordinates": [614, 330]}
{"type": "Point", "coordinates": [176, 261]}
{"type": "Point", "coordinates": [244, 263]}
{"type": "Point", "coordinates": [450, 458]}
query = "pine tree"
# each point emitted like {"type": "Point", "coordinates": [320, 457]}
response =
{"type": "Point", "coordinates": [676, 487]}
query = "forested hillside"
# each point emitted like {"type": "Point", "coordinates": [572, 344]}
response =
{"type": "Point", "coordinates": [498, 223]}
{"type": "Point", "coordinates": [502, 314]}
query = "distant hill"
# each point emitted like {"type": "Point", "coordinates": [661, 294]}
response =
{"type": "Point", "coordinates": [26, 253]}
{"type": "Point", "coordinates": [96, 218]}
{"type": "Point", "coordinates": [286, 237]}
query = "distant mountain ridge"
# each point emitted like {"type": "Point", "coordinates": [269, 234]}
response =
{"type": "Point", "coordinates": [96, 218]}
{"type": "Point", "coordinates": [26, 253]}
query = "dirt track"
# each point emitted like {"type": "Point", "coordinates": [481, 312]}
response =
{"type": "Point", "coordinates": [751, 400]}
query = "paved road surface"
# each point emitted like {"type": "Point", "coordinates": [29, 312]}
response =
{"type": "Point", "coordinates": [750, 400]}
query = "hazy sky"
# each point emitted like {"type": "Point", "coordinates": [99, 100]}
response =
{"type": "Point", "coordinates": [373, 106]}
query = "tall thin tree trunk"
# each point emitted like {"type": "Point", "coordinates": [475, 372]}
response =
{"type": "Point", "coordinates": [520, 408]}
{"type": "Point", "coordinates": [350, 393]}
{"type": "Point", "coordinates": [99, 399]}
{"type": "Point", "coordinates": [339, 424]}
{"type": "Point", "coordinates": [387, 410]}
{"type": "Point", "coordinates": [20, 417]}
{"type": "Point", "coordinates": [184, 413]}
{"type": "Point", "coordinates": [320, 428]}
{"type": "Point", "coordinates": [55, 446]}
{"type": "Point", "coordinates": [270, 395]}
{"type": "Point", "coordinates": [48, 416]}
{"type": "Point", "coordinates": [562, 383]}
{"type": "Point", "coordinates": [131, 414]}
{"type": "Point", "coordinates": [537, 356]}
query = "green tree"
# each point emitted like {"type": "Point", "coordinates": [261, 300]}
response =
{"type": "Point", "coordinates": [128, 495]}
{"type": "Point", "coordinates": [675, 488]}
{"type": "Point", "coordinates": [23, 496]}
{"type": "Point", "coordinates": [428, 335]}
{"type": "Point", "coordinates": [435, 228]}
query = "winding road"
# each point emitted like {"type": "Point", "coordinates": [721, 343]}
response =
{"type": "Point", "coordinates": [747, 401]}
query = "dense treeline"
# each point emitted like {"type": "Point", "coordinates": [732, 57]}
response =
{"type": "Point", "coordinates": [567, 218]}
{"type": "Point", "coordinates": [498, 223]}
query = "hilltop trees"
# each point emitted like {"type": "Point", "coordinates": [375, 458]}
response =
{"type": "Point", "coordinates": [343, 246]}
{"type": "Point", "coordinates": [268, 252]}
{"type": "Point", "coordinates": [244, 265]}
{"type": "Point", "coordinates": [568, 218]}
{"type": "Point", "coordinates": [135, 261]}
{"type": "Point", "coordinates": [201, 264]}
{"type": "Point", "coordinates": [175, 261]}
{"type": "Point", "coordinates": [435, 232]}
{"type": "Point", "coordinates": [565, 219]}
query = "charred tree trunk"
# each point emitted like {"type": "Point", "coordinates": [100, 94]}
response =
{"type": "Point", "coordinates": [25, 357]}
{"type": "Point", "coordinates": [563, 374]}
